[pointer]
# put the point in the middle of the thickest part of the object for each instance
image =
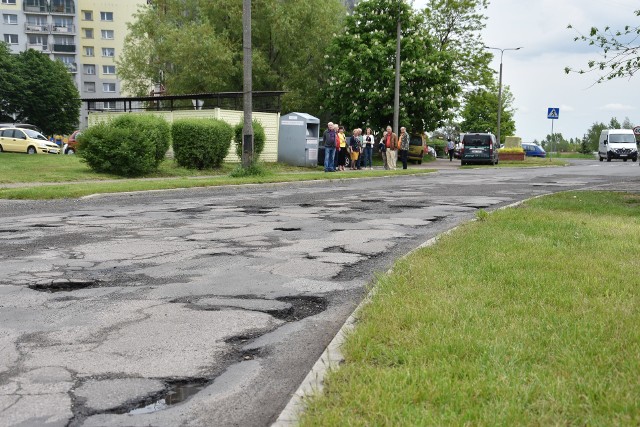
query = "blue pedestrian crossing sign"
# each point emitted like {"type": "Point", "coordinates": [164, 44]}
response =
{"type": "Point", "coordinates": [553, 113]}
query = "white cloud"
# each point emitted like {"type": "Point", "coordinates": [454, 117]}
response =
{"type": "Point", "coordinates": [618, 107]}
{"type": "Point", "coordinates": [565, 107]}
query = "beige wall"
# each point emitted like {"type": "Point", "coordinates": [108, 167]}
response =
{"type": "Point", "coordinates": [270, 122]}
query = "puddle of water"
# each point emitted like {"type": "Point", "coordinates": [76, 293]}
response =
{"type": "Point", "coordinates": [287, 229]}
{"type": "Point", "coordinates": [174, 395]}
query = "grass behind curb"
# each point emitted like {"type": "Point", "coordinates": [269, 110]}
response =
{"type": "Point", "coordinates": [529, 316]}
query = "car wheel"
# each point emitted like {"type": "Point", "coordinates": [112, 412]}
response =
{"type": "Point", "coordinates": [624, 160]}
{"type": "Point", "coordinates": [31, 150]}
{"type": "Point", "coordinates": [70, 151]}
{"type": "Point", "coordinates": [608, 157]}
{"type": "Point", "coordinates": [0, 148]}
{"type": "Point", "coordinates": [635, 159]}
{"type": "Point", "coordinates": [600, 157]}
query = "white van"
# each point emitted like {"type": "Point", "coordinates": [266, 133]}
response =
{"type": "Point", "coordinates": [617, 144]}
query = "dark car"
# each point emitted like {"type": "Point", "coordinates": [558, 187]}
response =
{"type": "Point", "coordinates": [533, 150]}
{"type": "Point", "coordinates": [479, 148]}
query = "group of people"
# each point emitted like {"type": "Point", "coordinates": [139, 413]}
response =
{"type": "Point", "coordinates": [359, 148]}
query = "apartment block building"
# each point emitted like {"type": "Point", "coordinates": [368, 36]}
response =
{"type": "Point", "coordinates": [86, 35]}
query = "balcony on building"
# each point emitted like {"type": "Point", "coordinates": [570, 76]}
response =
{"type": "Point", "coordinates": [37, 28]}
{"type": "Point", "coordinates": [64, 48]}
{"type": "Point", "coordinates": [66, 29]}
{"type": "Point", "coordinates": [72, 67]}
{"type": "Point", "coordinates": [66, 7]}
{"type": "Point", "coordinates": [35, 6]}
{"type": "Point", "coordinates": [40, 47]}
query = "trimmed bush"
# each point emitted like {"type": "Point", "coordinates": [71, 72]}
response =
{"type": "Point", "coordinates": [440, 146]}
{"type": "Point", "coordinates": [259, 139]}
{"type": "Point", "coordinates": [130, 145]}
{"type": "Point", "coordinates": [201, 143]}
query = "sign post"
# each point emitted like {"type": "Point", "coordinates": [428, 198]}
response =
{"type": "Point", "coordinates": [553, 114]}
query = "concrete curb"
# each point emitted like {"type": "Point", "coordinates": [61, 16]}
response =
{"type": "Point", "coordinates": [332, 356]}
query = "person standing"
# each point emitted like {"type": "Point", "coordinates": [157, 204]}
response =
{"type": "Point", "coordinates": [354, 148]}
{"type": "Point", "coordinates": [404, 146]}
{"type": "Point", "coordinates": [391, 142]}
{"type": "Point", "coordinates": [329, 141]}
{"type": "Point", "coordinates": [342, 146]}
{"type": "Point", "coordinates": [383, 149]}
{"type": "Point", "coordinates": [368, 149]}
{"type": "Point", "coordinates": [451, 147]}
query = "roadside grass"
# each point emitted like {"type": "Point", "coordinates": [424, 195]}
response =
{"type": "Point", "coordinates": [81, 189]}
{"type": "Point", "coordinates": [527, 317]}
{"type": "Point", "coordinates": [528, 162]}
{"type": "Point", "coordinates": [589, 156]}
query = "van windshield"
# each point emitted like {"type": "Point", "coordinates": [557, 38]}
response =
{"type": "Point", "coordinates": [622, 138]}
{"type": "Point", "coordinates": [476, 140]}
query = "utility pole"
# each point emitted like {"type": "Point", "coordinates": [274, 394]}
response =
{"type": "Point", "coordinates": [247, 128]}
{"type": "Point", "coordinates": [500, 88]}
{"type": "Point", "coordinates": [396, 97]}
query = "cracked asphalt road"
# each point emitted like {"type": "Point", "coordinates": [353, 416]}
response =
{"type": "Point", "coordinates": [209, 306]}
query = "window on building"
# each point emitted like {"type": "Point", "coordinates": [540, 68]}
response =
{"type": "Point", "coordinates": [8, 1]}
{"type": "Point", "coordinates": [90, 87]}
{"type": "Point", "coordinates": [110, 105]}
{"type": "Point", "coordinates": [108, 51]}
{"type": "Point", "coordinates": [108, 69]}
{"type": "Point", "coordinates": [108, 87]}
{"type": "Point", "coordinates": [89, 69]}
{"type": "Point", "coordinates": [87, 33]}
{"type": "Point", "coordinates": [36, 20]}
{"type": "Point", "coordinates": [106, 16]}
{"type": "Point", "coordinates": [87, 15]}
{"type": "Point", "coordinates": [10, 19]}
{"type": "Point", "coordinates": [107, 34]}
{"type": "Point", "coordinates": [11, 38]}
{"type": "Point", "coordinates": [88, 51]}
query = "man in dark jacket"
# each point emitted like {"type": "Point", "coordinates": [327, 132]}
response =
{"type": "Point", "coordinates": [329, 141]}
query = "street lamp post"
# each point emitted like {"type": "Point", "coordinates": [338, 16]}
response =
{"type": "Point", "coordinates": [500, 86]}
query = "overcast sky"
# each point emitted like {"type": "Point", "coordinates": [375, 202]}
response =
{"type": "Point", "coordinates": [536, 74]}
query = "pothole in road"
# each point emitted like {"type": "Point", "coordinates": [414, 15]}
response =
{"type": "Point", "coordinates": [371, 200]}
{"type": "Point", "coordinates": [176, 392]}
{"type": "Point", "coordinates": [46, 225]}
{"type": "Point", "coordinates": [287, 229]}
{"type": "Point", "coordinates": [256, 210]}
{"type": "Point", "coordinates": [303, 306]}
{"type": "Point", "coordinates": [62, 285]}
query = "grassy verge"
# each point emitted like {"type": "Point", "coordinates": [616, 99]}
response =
{"type": "Point", "coordinates": [527, 317]}
{"type": "Point", "coordinates": [80, 189]}
{"type": "Point", "coordinates": [528, 162]}
{"type": "Point", "coordinates": [589, 156]}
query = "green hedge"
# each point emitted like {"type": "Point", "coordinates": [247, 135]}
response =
{"type": "Point", "coordinates": [259, 139]}
{"type": "Point", "coordinates": [129, 145]}
{"type": "Point", "coordinates": [439, 145]}
{"type": "Point", "coordinates": [201, 143]}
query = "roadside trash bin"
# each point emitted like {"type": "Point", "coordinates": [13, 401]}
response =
{"type": "Point", "coordinates": [298, 140]}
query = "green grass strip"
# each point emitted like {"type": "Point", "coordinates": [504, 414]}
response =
{"type": "Point", "coordinates": [530, 316]}
{"type": "Point", "coordinates": [75, 190]}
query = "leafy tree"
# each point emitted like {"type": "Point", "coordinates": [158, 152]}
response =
{"type": "Point", "coordinates": [196, 46]}
{"type": "Point", "coordinates": [593, 135]}
{"type": "Point", "coordinates": [620, 51]}
{"type": "Point", "coordinates": [627, 124]}
{"type": "Point", "coordinates": [49, 99]}
{"type": "Point", "coordinates": [480, 113]}
{"type": "Point", "coordinates": [11, 84]}
{"type": "Point", "coordinates": [584, 148]}
{"type": "Point", "coordinates": [361, 70]}
{"type": "Point", "coordinates": [614, 123]}
{"type": "Point", "coordinates": [456, 26]}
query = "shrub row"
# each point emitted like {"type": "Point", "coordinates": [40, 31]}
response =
{"type": "Point", "coordinates": [135, 145]}
{"type": "Point", "coordinates": [128, 145]}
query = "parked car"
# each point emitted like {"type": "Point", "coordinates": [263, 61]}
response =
{"type": "Point", "coordinates": [417, 148]}
{"type": "Point", "coordinates": [533, 150]}
{"type": "Point", "coordinates": [20, 140]}
{"type": "Point", "coordinates": [21, 126]}
{"type": "Point", "coordinates": [479, 148]}
{"type": "Point", "coordinates": [72, 143]}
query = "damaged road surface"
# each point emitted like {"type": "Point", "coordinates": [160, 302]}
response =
{"type": "Point", "coordinates": [208, 307]}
